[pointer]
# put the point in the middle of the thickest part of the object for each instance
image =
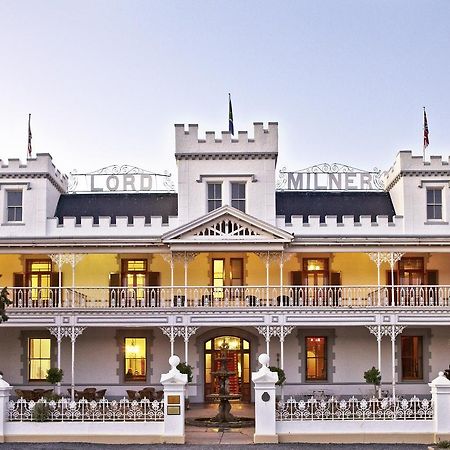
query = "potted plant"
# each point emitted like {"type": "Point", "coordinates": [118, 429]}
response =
{"type": "Point", "coordinates": [373, 376]}
{"type": "Point", "coordinates": [185, 368]}
{"type": "Point", "coordinates": [54, 376]}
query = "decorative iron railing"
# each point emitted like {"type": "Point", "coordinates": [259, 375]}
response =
{"type": "Point", "coordinates": [354, 409]}
{"type": "Point", "coordinates": [103, 410]}
{"type": "Point", "coordinates": [232, 297]}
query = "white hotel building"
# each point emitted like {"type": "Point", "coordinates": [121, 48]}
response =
{"type": "Point", "coordinates": [330, 269]}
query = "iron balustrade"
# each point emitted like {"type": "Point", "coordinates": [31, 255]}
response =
{"type": "Point", "coordinates": [373, 408]}
{"type": "Point", "coordinates": [232, 297]}
{"type": "Point", "coordinates": [103, 410]}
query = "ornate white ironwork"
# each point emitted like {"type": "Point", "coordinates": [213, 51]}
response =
{"type": "Point", "coordinates": [338, 297]}
{"type": "Point", "coordinates": [269, 331]}
{"type": "Point", "coordinates": [66, 258]}
{"type": "Point", "coordinates": [103, 410]}
{"type": "Point", "coordinates": [329, 168]}
{"type": "Point", "coordinates": [333, 408]}
{"type": "Point", "coordinates": [66, 331]}
{"type": "Point", "coordinates": [385, 330]}
{"type": "Point", "coordinates": [385, 257]}
{"type": "Point", "coordinates": [229, 228]}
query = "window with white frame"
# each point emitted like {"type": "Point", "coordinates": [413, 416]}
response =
{"type": "Point", "coordinates": [14, 205]}
{"type": "Point", "coordinates": [238, 196]}
{"type": "Point", "coordinates": [434, 203]}
{"type": "Point", "coordinates": [214, 196]}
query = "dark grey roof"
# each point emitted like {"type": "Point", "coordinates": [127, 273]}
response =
{"type": "Point", "coordinates": [338, 204]}
{"type": "Point", "coordinates": [117, 204]}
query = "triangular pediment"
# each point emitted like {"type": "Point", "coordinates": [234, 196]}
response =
{"type": "Point", "coordinates": [227, 224]}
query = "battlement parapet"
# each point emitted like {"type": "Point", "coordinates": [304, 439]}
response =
{"type": "Point", "coordinates": [38, 167]}
{"type": "Point", "coordinates": [408, 164]}
{"type": "Point", "coordinates": [265, 140]}
{"type": "Point", "coordinates": [350, 225]}
{"type": "Point", "coordinates": [107, 228]}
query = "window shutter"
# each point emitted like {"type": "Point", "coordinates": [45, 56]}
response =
{"type": "Point", "coordinates": [433, 277]}
{"type": "Point", "coordinates": [18, 280]}
{"type": "Point", "coordinates": [153, 278]}
{"type": "Point", "coordinates": [296, 278]}
{"type": "Point", "coordinates": [114, 279]}
{"type": "Point", "coordinates": [335, 279]}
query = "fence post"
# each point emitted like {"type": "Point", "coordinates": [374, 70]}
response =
{"type": "Point", "coordinates": [5, 390]}
{"type": "Point", "coordinates": [440, 395]}
{"type": "Point", "coordinates": [174, 383]}
{"type": "Point", "coordinates": [264, 381]}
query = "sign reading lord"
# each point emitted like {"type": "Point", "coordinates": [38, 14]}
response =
{"type": "Point", "coordinates": [120, 179]}
{"type": "Point", "coordinates": [330, 177]}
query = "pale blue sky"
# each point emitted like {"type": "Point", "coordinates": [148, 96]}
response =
{"type": "Point", "coordinates": [106, 80]}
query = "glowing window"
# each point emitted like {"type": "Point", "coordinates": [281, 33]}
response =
{"type": "Point", "coordinates": [316, 358]}
{"type": "Point", "coordinates": [38, 358]}
{"type": "Point", "coordinates": [135, 359]}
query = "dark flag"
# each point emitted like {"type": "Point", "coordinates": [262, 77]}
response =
{"type": "Point", "coordinates": [29, 135]}
{"type": "Point", "coordinates": [230, 116]}
{"type": "Point", "coordinates": [426, 139]}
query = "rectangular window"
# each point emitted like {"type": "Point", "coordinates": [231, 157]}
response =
{"type": "Point", "coordinates": [135, 359]}
{"type": "Point", "coordinates": [218, 277]}
{"type": "Point", "coordinates": [411, 271]}
{"type": "Point", "coordinates": [315, 271]}
{"type": "Point", "coordinates": [316, 358]}
{"type": "Point", "coordinates": [135, 276]}
{"type": "Point", "coordinates": [238, 196]}
{"type": "Point", "coordinates": [214, 196]}
{"type": "Point", "coordinates": [434, 203]}
{"type": "Point", "coordinates": [14, 206]}
{"type": "Point", "coordinates": [412, 357]}
{"type": "Point", "coordinates": [39, 279]}
{"type": "Point", "coordinates": [38, 358]}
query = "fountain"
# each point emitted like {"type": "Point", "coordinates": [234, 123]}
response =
{"type": "Point", "coordinates": [223, 418]}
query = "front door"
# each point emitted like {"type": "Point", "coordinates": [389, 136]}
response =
{"type": "Point", "coordinates": [238, 364]}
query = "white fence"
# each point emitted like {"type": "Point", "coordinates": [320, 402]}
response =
{"type": "Point", "coordinates": [232, 297]}
{"type": "Point", "coordinates": [104, 410]}
{"type": "Point", "coordinates": [354, 409]}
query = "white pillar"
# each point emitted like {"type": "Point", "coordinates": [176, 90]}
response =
{"type": "Point", "coordinates": [265, 420]}
{"type": "Point", "coordinates": [72, 385]}
{"type": "Point", "coordinates": [174, 384]}
{"type": "Point", "coordinates": [440, 395]}
{"type": "Point", "coordinates": [171, 281]}
{"type": "Point", "coordinates": [185, 278]}
{"type": "Point", "coordinates": [267, 279]}
{"type": "Point", "coordinates": [5, 390]}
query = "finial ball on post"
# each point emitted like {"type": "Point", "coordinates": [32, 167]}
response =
{"type": "Point", "coordinates": [264, 359]}
{"type": "Point", "coordinates": [174, 360]}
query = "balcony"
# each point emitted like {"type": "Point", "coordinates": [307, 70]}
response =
{"type": "Point", "coordinates": [246, 297]}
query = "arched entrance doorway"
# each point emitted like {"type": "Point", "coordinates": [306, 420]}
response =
{"type": "Point", "coordinates": [239, 362]}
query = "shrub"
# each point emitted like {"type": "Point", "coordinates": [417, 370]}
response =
{"type": "Point", "coordinates": [443, 444]}
{"type": "Point", "coordinates": [41, 412]}
{"type": "Point", "coordinates": [186, 369]}
{"type": "Point", "coordinates": [4, 302]}
{"type": "Point", "coordinates": [281, 375]}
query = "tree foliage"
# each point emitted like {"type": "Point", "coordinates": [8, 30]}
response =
{"type": "Point", "coordinates": [4, 302]}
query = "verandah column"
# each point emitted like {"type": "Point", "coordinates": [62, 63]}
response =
{"type": "Point", "coordinates": [59, 334]}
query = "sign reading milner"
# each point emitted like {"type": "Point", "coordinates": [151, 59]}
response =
{"type": "Point", "coordinates": [330, 177]}
{"type": "Point", "coordinates": [120, 179]}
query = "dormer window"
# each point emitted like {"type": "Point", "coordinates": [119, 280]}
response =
{"type": "Point", "coordinates": [238, 196]}
{"type": "Point", "coordinates": [214, 196]}
{"type": "Point", "coordinates": [14, 204]}
{"type": "Point", "coordinates": [434, 203]}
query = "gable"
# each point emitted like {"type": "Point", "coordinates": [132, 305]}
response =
{"type": "Point", "coordinates": [227, 224]}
